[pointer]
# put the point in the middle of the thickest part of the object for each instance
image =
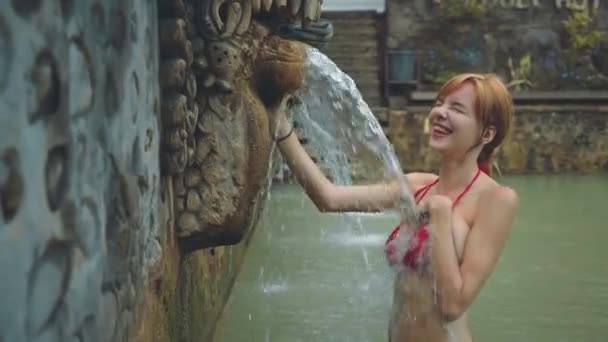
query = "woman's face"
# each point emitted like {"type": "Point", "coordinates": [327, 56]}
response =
{"type": "Point", "coordinates": [454, 127]}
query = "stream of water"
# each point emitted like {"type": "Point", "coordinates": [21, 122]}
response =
{"type": "Point", "coordinates": [343, 132]}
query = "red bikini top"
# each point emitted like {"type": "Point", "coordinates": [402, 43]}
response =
{"type": "Point", "coordinates": [421, 235]}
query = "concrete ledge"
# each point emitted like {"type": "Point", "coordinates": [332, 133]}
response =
{"type": "Point", "coordinates": [538, 108]}
{"type": "Point", "coordinates": [533, 96]}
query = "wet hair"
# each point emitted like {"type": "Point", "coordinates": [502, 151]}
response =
{"type": "Point", "coordinates": [493, 107]}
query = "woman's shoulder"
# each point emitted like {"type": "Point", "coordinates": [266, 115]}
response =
{"type": "Point", "coordinates": [499, 194]}
{"type": "Point", "coordinates": [419, 179]}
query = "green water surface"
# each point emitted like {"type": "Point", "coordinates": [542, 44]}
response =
{"type": "Point", "coordinates": [310, 276]}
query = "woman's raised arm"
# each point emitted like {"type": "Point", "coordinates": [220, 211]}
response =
{"type": "Point", "coordinates": [329, 197]}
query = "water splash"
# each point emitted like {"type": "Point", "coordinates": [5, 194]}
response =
{"type": "Point", "coordinates": [344, 133]}
{"type": "Point", "coordinates": [347, 139]}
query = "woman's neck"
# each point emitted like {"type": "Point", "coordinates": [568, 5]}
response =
{"type": "Point", "coordinates": [455, 174]}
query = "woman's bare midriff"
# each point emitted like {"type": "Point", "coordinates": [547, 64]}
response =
{"type": "Point", "coordinates": [416, 317]}
{"type": "Point", "coordinates": [415, 313]}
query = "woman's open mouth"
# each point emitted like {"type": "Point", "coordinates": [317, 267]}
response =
{"type": "Point", "coordinates": [440, 131]}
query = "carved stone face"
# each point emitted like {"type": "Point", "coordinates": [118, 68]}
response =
{"type": "Point", "coordinates": [221, 69]}
{"type": "Point", "coordinates": [279, 69]}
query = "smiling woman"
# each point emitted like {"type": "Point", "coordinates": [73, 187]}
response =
{"type": "Point", "coordinates": [470, 214]}
{"type": "Point", "coordinates": [470, 220]}
{"type": "Point", "coordinates": [485, 100]}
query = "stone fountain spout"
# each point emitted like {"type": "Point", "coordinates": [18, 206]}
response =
{"type": "Point", "coordinates": [223, 63]}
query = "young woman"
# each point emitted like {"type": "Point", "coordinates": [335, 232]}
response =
{"type": "Point", "coordinates": [470, 214]}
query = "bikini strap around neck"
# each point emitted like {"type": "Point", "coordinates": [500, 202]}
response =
{"type": "Point", "coordinates": [468, 187]}
{"type": "Point", "coordinates": [419, 195]}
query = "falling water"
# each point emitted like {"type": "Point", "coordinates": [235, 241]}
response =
{"type": "Point", "coordinates": [347, 139]}
{"type": "Point", "coordinates": [343, 132]}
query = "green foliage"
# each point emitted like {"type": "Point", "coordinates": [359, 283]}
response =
{"type": "Point", "coordinates": [443, 76]}
{"type": "Point", "coordinates": [439, 65]}
{"type": "Point", "coordinates": [520, 75]}
{"type": "Point", "coordinates": [462, 9]}
{"type": "Point", "coordinates": [579, 30]}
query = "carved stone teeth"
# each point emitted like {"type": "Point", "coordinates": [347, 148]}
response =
{"type": "Point", "coordinates": [215, 14]}
{"type": "Point", "coordinates": [295, 6]}
{"type": "Point", "coordinates": [255, 6]}
{"type": "Point", "coordinates": [233, 17]}
{"type": "Point", "coordinates": [310, 11]}
{"type": "Point", "coordinates": [266, 5]}
{"type": "Point", "coordinates": [245, 18]}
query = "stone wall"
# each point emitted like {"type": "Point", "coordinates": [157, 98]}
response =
{"type": "Point", "coordinates": [187, 293]}
{"type": "Point", "coordinates": [544, 139]}
{"type": "Point", "coordinates": [532, 44]}
{"type": "Point", "coordinates": [98, 242]}
{"type": "Point", "coordinates": [356, 47]}
{"type": "Point", "coordinates": [85, 218]}
{"type": "Point", "coordinates": [81, 223]}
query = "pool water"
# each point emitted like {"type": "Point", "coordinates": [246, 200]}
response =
{"type": "Point", "coordinates": [311, 276]}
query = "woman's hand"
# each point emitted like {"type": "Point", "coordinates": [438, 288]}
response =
{"type": "Point", "coordinates": [437, 204]}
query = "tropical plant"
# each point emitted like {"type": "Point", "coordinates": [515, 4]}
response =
{"type": "Point", "coordinates": [520, 75]}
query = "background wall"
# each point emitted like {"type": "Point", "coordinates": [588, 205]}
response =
{"type": "Point", "coordinates": [353, 5]}
{"type": "Point", "coordinates": [537, 44]}
{"type": "Point", "coordinates": [356, 48]}
{"type": "Point", "coordinates": [544, 139]}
